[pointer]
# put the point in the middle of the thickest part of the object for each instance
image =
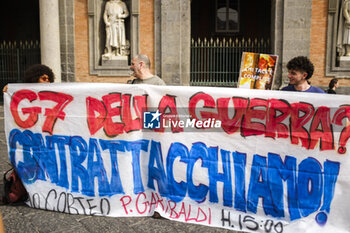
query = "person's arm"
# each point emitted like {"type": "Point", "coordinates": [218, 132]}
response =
{"type": "Point", "coordinates": [2, 228]}
{"type": "Point", "coordinates": [5, 88]}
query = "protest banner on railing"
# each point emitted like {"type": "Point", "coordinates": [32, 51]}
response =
{"type": "Point", "coordinates": [246, 160]}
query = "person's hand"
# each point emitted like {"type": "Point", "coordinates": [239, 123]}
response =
{"type": "Point", "coordinates": [5, 89]}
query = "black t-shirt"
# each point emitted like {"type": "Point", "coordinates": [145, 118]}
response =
{"type": "Point", "coordinates": [330, 91]}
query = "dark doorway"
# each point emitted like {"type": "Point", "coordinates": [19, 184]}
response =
{"type": "Point", "coordinates": [221, 30]}
{"type": "Point", "coordinates": [19, 39]}
{"type": "Point", "coordinates": [19, 20]}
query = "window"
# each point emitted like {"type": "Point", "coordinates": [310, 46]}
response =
{"type": "Point", "coordinates": [227, 16]}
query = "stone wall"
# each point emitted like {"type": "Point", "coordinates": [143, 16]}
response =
{"type": "Point", "coordinates": [298, 28]}
{"type": "Point", "coordinates": [173, 37]}
{"type": "Point", "coordinates": [82, 68]}
{"type": "Point", "coordinates": [318, 47]}
{"type": "Point", "coordinates": [318, 41]}
{"type": "Point", "coordinates": [296, 32]}
{"type": "Point", "coordinates": [66, 9]}
{"type": "Point", "coordinates": [147, 30]}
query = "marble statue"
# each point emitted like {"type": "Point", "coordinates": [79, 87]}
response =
{"type": "Point", "coordinates": [343, 35]}
{"type": "Point", "coordinates": [116, 44]}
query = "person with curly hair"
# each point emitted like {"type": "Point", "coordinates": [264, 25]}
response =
{"type": "Point", "coordinates": [37, 73]}
{"type": "Point", "coordinates": [300, 70]}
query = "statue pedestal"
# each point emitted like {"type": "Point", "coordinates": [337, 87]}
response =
{"type": "Point", "coordinates": [115, 61]}
{"type": "Point", "coordinates": [344, 61]}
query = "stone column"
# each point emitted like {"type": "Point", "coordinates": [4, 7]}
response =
{"type": "Point", "coordinates": [173, 41]}
{"type": "Point", "coordinates": [296, 32]}
{"type": "Point", "coordinates": [277, 38]}
{"type": "Point", "coordinates": [50, 36]}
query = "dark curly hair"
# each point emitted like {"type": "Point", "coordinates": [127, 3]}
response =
{"type": "Point", "coordinates": [33, 73]}
{"type": "Point", "coordinates": [302, 64]}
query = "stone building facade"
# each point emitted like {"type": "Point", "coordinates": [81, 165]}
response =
{"type": "Point", "coordinates": [162, 30]}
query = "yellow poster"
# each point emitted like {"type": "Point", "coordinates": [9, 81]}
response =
{"type": "Point", "coordinates": [257, 71]}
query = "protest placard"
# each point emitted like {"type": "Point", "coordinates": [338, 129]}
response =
{"type": "Point", "coordinates": [257, 71]}
{"type": "Point", "coordinates": [247, 160]}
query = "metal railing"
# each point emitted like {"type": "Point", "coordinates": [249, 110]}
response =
{"type": "Point", "coordinates": [15, 57]}
{"type": "Point", "coordinates": [216, 62]}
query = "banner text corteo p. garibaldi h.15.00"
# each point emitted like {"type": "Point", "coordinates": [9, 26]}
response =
{"type": "Point", "coordinates": [249, 160]}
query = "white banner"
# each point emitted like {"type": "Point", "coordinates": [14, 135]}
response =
{"type": "Point", "coordinates": [246, 160]}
